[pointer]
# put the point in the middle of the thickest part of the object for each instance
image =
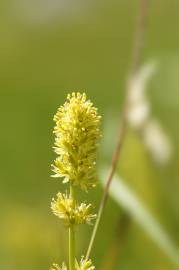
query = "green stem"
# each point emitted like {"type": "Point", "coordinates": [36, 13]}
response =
{"type": "Point", "coordinates": [71, 240]}
{"type": "Point", "coordinates": [71, 248]}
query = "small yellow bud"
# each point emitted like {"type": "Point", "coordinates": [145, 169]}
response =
{"type": "Point", "coordinates": [84, 265]}
{"type": "Point", "coordinates": [76, 134]}
{"type": "Point", "coordinates": [70, 212]}
{"type": "Point", "coordinates": [57, 267]}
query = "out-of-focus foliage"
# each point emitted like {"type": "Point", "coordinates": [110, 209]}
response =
{"type": "Point", "coordinates": [135, 208]}
{"type": "Point", "coordinates": [51, 49]}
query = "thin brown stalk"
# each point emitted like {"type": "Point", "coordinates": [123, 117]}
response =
{"type": "Point", "coordinates": [135, 62]}
{"type": "Point", "coordinates": [138, 42]}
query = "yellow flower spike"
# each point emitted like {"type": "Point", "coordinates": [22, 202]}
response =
{"type": "Point", "coordinates": [70, 212]}
{"type": "Point", "coordinates": [77, 131]}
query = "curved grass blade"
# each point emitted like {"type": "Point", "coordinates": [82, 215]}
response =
{"type": "Point", "coordinates": [129, 201]}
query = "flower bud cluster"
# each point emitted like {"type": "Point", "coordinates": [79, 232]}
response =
{"type": "Point", "coordinates": [70, 212]}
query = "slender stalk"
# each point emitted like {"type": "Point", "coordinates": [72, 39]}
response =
{"type": "Point", "coordinates": [71, 248]}
{"type": "Point", "coordinates": [135, 63]}
{"type": "Point", "coordinates": [71, 240]}
{"type": "Point", "coordinates": [109, 179]}
{"type": "Point", "coordinates": [138, 42]}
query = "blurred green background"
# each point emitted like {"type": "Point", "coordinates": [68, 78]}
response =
{"type": "Point", "coordinates": [48, 49]}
